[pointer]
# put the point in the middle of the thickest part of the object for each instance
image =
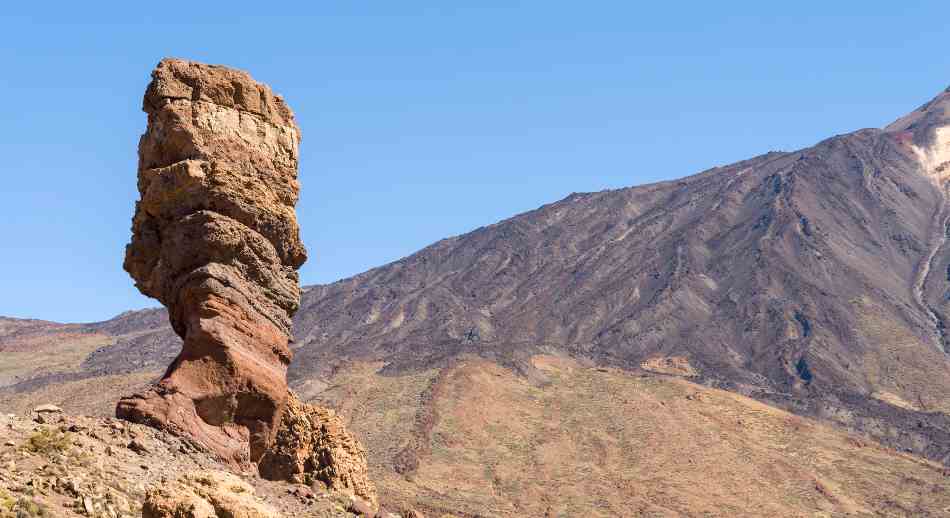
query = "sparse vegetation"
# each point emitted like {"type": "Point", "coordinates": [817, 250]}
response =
{"type": "Point", "coordinates": [7, 504]}
{"type": "Point", "coordinates": [48, 441]}
{"type": "Point", "coordinates": [592, 443]}
{"type": "Point", "coordinates": [84, 467]}
{"type": "Point", "coordinates": [28, 508]}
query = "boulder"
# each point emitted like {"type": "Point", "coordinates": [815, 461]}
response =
{"type": "Point", "coordinates": [205, 494]}
{"type": "Point", "coordinates": [313, 446]}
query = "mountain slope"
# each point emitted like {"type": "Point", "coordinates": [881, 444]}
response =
{"type": "Point", "coordinates": [814, 280]}
{"type": "Point", "coordinates": [574, 440]}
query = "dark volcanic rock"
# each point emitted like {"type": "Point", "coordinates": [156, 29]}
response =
{"type": "Point", "coordinates": [136, 351]}
{"type": "Point", "coordinates": [746, 270]}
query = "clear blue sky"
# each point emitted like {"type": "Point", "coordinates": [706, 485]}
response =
{"type": "Point", "coordinates": [423, 120]}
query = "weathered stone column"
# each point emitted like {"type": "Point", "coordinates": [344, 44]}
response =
{"type": "Point", "coordinates": [215, 239]}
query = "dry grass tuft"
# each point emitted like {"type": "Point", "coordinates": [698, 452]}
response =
{"type": "Point", "coordinates": [48, 441]}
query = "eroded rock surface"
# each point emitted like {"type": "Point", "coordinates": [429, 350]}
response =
{"type": "Point", "coordinates": [215, 239]}
{"type": "Point", "coordinates": [206, 494]}
{"type": "Point", "coordinates": [100, 467]}
{"type": "Point", "coordinates": [313, 444]}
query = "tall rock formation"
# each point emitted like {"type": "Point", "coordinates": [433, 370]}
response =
{"type": "Point", "coordinates": [215, 239]}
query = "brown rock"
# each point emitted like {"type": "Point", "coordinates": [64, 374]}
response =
{"type": "Point", "coordinates": [215, 239]}
{"type": "Point", "coordinates": [206, 494]}
{"type": "Point", "coordinates": [138, 447]}
{"type": "Point", "coordinates": [313, 444]}
{"type": "Point", "coordinates": [361, 508]}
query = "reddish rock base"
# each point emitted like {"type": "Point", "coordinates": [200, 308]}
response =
{"type": "Point", "coordinates": [215, 239]}
{"type": "Point", "coordinates": [226, 390]}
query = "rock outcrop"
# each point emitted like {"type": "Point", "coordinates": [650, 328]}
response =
{"type": "Point", "coordinates": [313, 444]}
{"type": "Point", "coordinates": [101, 467]}
{"type": "Point", "coordinates": [205, 494]}
{"type": "Point", "coordinates": [215, 239]}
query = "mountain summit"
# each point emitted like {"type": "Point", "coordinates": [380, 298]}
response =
{"type": "Point", "coordinates": [928, 128]}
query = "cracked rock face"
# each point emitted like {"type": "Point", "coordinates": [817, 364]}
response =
{"type": "Point", "coordinates": [313, 444]}
{"type": "Point", "coordinates": [215, 239]}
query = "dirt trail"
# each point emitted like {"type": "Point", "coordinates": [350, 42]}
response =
{"type": "Point", "coordinates": [937, 240]}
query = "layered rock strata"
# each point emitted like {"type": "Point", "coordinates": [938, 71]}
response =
{"type": "Point", "coordinates": [215, 239]}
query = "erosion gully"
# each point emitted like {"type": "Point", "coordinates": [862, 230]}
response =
{"type": "Point", "coordinates": [938, 238]}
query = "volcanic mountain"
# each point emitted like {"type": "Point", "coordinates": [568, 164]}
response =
{"type": "Point", "coordinates": [816, 280]}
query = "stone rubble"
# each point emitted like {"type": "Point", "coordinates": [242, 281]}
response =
{"type": "Point", "coordinates": [86, 467]}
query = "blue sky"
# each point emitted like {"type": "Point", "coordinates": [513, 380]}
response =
{"type": "Point", "coordinates": [423, 120]}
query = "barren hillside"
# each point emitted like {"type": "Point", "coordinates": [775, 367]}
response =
{"type": "Point", "coordinates": [817, 281]}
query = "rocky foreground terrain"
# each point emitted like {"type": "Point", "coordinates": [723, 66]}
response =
{"type": "Point", "coordinates": [478, 440]}
{"type": "Point", "coordinates": [54, 464]}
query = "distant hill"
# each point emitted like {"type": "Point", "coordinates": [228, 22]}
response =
{"type": "Point", "coordinates": [817, 281]}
